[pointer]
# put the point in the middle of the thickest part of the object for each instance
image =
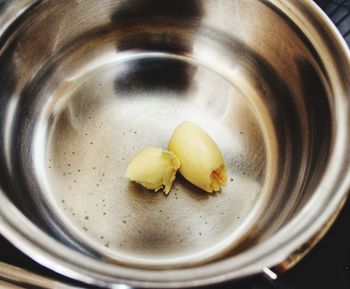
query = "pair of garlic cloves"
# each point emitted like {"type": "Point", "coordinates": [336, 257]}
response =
{"type": "Point", "coordinates": [191, 151]}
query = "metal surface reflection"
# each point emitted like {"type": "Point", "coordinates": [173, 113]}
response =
{"type": "Point", "coordinates": [88, 83]}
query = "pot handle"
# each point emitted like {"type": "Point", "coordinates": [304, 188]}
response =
{"type": "Point", "coordinates": [272, 281]}
{"type": "Point", "coordinates": [15, 277]}
{"type": "Point", "coordinates": [271, 275]}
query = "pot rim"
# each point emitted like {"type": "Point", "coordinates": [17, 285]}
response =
{"type": "Point", "coordinates": [327, 198]}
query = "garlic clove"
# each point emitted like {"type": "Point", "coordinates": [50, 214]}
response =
{"type": "Point", "coordinates": [153, 168]}
{"type": "Point", "coordinates": [202, 163]}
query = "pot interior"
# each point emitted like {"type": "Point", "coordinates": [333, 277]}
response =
{"type": "Point", "coordinates": [86, 84]}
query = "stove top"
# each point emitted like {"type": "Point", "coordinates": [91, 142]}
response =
{"type": "Point", "coordinates": [327, 266]}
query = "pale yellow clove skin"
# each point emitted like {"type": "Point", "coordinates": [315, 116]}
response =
{"type": "Point", "coordinates": [202, 163]}
{"type": "Point", "coordinates": [153, 168]}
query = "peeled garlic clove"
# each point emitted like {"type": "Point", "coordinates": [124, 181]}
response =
{"type": "Point", "coordinates": [153, 168]}
{"type": "Point", "coordinates": [201, 161]}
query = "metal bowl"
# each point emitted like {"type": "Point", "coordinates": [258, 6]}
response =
{"type": "Point", "coordinates": [84, 85]}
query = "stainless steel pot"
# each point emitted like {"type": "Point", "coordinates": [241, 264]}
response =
{"type": "Point", "coordinates": [85, 84]}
